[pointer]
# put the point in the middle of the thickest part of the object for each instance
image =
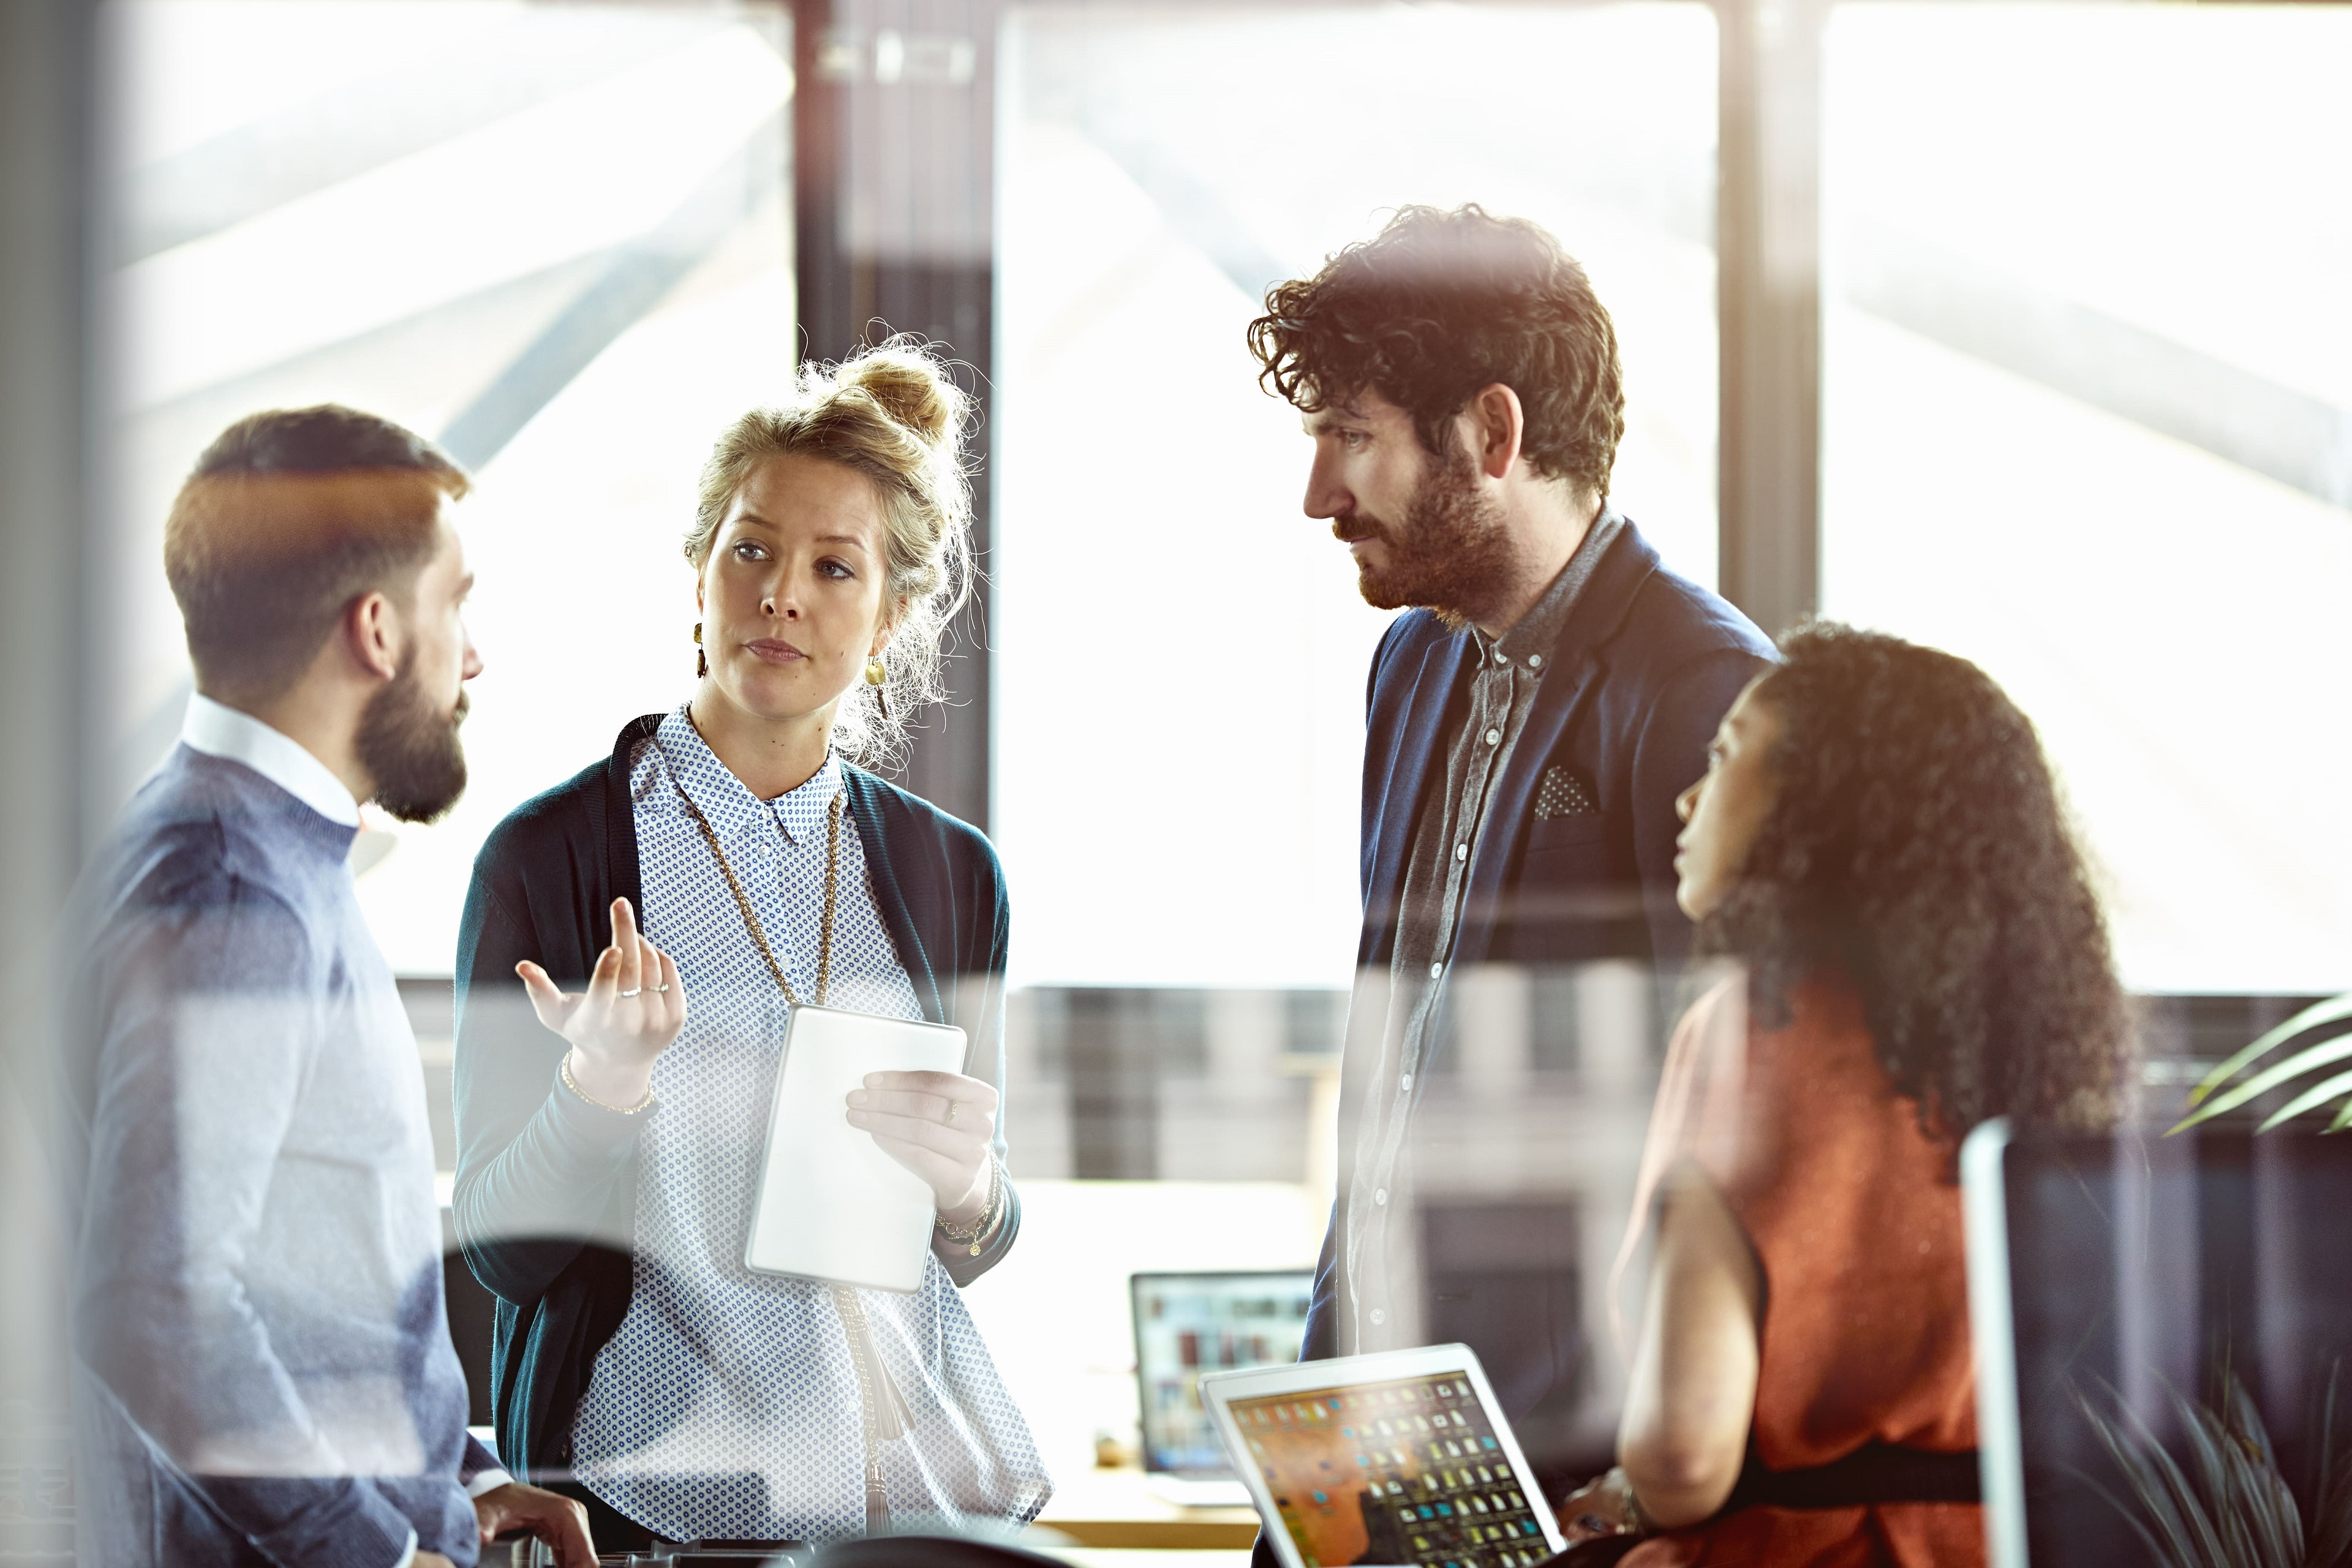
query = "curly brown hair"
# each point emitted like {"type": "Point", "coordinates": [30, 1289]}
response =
{"type": "Point", "coordinates": [1918, 844]}
{"type": "Point", "coordinates": [1440, 305]}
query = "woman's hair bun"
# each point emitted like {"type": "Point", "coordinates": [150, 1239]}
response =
{"type": "Point", "coordinates": [892, 413]}
{"type": "Point", "coordinates": [909, 380]}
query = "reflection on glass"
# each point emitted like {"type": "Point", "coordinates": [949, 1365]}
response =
{"type": "Point", "coordinates": [504, 228]}
{"type": "Point", "coordinates": [2088, 372]}
{"type": "Point", "coordinates": [1159, 592]}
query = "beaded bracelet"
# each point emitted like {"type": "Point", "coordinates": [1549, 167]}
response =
{"type": "Point", "coordinates": [647, 1103]}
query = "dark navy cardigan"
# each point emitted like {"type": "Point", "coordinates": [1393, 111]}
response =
{"type": "Point", "coordinates": [557, 1255]}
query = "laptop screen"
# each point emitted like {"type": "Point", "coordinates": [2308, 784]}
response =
{"type": "Point", "coordinates": [1186, 1324]}
{"type": "Point", "coordinates": [1401, 1471]}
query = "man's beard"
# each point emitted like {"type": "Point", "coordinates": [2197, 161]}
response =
{"type": "Point", "coordinates": [1454, 554]}
{"type": "Point", "coordinates": [410, 748]}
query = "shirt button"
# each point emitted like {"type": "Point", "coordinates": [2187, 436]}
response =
{"type": "Point", "coordinates": [1436, 970]}
{"type": "Point", "coordinates": [1462, 851]}
{"type": "Point", "coordinates": [1535, 661]}
{"type": "Point", "coordinates": [1502, 658]}
{"type": "Point", "coordinates": [1404, 1083]}
{"type": "Point", "coordinates": [1493, 737]}
{"type": "Point", "coordinates": [1379, 1317]}
{"type": "Point", "coordinates": [1379, 1194]}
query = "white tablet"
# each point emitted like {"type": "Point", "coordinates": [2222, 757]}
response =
{"type": "Point", "coordinates": [831, 1205]}
{"type": "Point", "coordinates": [1394, 1458]}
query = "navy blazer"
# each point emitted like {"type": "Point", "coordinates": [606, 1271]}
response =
{"type": "Point", "coordinates": [1645, 667]}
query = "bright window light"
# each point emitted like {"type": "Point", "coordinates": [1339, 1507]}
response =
{"type": "Point", "coordinates": [555, 237]}
{"type": "Point", "coordinates": [1180, 653]}
{"type": "Point", "coordinates": [2088, 421]}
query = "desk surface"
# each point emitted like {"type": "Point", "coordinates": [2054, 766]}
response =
{"type": "Point", "coordinates": [1118, 1509]}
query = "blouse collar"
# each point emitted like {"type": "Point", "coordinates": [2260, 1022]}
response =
{"type": "Point", "coordinates": [727, 802]}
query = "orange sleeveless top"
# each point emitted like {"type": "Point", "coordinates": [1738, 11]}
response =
{"type": "Point", "coordinates": [1855, 1214]}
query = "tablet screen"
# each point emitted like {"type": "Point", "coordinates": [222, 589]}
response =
{"type": "Point", "coordinates": [1403, 1472]}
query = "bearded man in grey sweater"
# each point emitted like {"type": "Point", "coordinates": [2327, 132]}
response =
{"type": "Point", "coordinates": [263, 1374]}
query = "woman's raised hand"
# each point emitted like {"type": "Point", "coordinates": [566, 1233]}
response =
{"type": "Point", "coordinates": [939, 1125]}
{"type": "Point", "coordinates": [632, 1008]}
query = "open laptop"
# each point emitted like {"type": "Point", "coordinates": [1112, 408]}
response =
{"type": "Point", "coordinates": [1188, 1324]}
{"type": "Point", "coordinates": [1394, 1458]}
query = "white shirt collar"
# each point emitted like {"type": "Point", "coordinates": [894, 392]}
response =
{"type": "Point", "coordinates": [219, 731]}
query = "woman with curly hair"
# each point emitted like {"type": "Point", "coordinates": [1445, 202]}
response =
{"type": "Point", "coordinates": [1879, 846]}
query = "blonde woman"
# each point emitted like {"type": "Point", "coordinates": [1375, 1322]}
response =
{"type": "Point", "coordinates": [663, 909]}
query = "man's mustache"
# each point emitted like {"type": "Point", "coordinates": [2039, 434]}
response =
{"type": "Point", "coordinates": [1356, 527]}
{"type": "Point", "coordinates": [465, 705]}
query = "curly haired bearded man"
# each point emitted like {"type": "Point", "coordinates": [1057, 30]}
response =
{"type": "Point", "coordinates": [1550, 689]}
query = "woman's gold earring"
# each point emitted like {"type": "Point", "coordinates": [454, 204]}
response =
{"type": "Point", "coordinates": [702, 665]}
{"type": "Point", "coordinates": [874, 676]}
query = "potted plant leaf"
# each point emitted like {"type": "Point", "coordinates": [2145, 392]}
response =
{"type": "Point", "coordinates": [2228, 1505]}
{"type": "Point", "coordinates": [2210, 1098]}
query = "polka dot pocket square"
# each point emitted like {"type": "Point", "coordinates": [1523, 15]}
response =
{"type": "Point", "coordinates": [1565, 792]}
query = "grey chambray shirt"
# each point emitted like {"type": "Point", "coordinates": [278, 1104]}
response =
{"type": "Point", "coordinates": [1377, 1244]}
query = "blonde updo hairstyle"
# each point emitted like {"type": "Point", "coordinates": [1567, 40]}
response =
{"type": "Point", "coordinates": [891, 413]}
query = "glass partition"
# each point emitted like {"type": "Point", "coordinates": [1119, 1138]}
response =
{"type": "Point", "coordinates": [2087, 383]}
{"type": "Point", "coordinates": [1179, 654]}
{"type": "Point", "coordinates": [1164, 610]}
{"type": "Point", "coordinates": [553, 238]}
{"type": "Point", "coordinates": [2087, 370]}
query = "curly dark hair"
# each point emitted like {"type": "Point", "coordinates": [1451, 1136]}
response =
{"type": "Point", "coordinates": [1918, 844]}
{"type": "Point", "coordinates": [1440, 305]}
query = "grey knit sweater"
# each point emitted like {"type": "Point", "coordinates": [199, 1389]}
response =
{"type": "Point", "coordinates": [265, 1371]}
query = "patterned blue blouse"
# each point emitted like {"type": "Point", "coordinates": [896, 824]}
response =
{"type": "Point", "coordinates": [727, 1404]}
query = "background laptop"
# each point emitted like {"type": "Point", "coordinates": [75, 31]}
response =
{"type": "Point", "coordinates": [1186, 1324]}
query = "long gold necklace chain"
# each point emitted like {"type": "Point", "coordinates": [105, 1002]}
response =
{"type": "Point", "coordinates": [870, 1395]}
{"type": "Point", "coordinates": [752, 920]}
{"type": "Point", "coordinates": [845, 1301]}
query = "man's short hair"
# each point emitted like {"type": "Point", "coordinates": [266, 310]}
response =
{"type": "Point", "coordinates": [1440, 305]}
{"type": "Point", "coordinates": [288, 517]}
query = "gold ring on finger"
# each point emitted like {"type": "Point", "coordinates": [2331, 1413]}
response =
{"type": "Point", "coordinates": [949, 1119]}
{"type": "Point", "coordinates": [633, 990]}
